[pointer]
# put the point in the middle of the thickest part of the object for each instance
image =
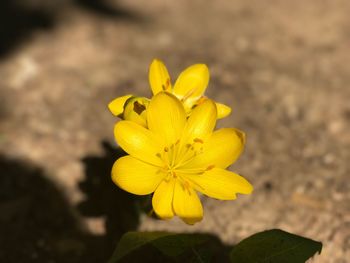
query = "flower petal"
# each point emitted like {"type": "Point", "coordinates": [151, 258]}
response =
{"type": "Point", "coordinates": [159, 78]}
{"type": "Point", "coordinates": [221, 184]}
{"type": "Point", "coordinates": [221, 149]}
{"type": "Point", "coordinates": [186, 203]}
{"type": "Point", "coordinates": [202, 121]}
{"type": "Point", "coordinates": [138, 142]}
{"type": "Point", "coordinates": [135, 110]}
{"type": "Point", "coordinates": [223, 110]}
{"type": "Point", "coordinates": [135, 176]}
{"type": "Point", "coordinates": [116, 106]}
{"type": "Point", "coordinates": [163, 198]}
{"type": "Point", "coordinates": [192, 82]}
{"type": "Point", "coordinates": [166, 117]}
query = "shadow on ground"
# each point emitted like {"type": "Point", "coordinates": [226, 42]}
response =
{"type": "Point", "coordinates": [120, 209]}
{"type": "Point", "coordinates": [20, 19]}
{"type": "Point", "coordinates": [37, 224]}
{"type": "Point", "coordinates": [103, 8]}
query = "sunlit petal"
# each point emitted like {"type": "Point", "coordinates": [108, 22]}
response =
{"type": "Point", "coordinates": [135, 176]}
{"type": "Point", "coordinates": [186, 203]}
{"type": "Point", "coordinates": [138, 142]}
{"type": "Point", "coordinates": [116, 106]}
{"type": "Point", "coordinates": [135, 110]}
{"type": "Point", "coordinates": [166, 117]}
{"type": "Point", "coordinates": [202, 121]}
{"type": "Point", "coordinates": [159, 78]}
{"type": "Point", "coordinates": [221, 184]}
{"type": "Point", "coordinates": [223, 110]}
{"type": "Point", "coordinates": [192, 82]}
{"type": "Point", "coordinates": [163, 198]}
{"type": "Point", "coordinates": [221, 149]}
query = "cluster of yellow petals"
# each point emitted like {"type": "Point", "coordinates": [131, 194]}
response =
{"type": "Point", "coordinates": [189, 88]}
{"type": "Point", "coordinates": [174, 151]}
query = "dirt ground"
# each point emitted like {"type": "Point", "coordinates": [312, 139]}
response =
{"type": "Point", "coordinates": [284, 67]}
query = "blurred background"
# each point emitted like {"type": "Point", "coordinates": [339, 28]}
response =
{"type": "Point", "coordinates": [283, 66]}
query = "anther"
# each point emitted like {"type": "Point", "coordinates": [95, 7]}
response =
{"type": "Point", "coordinates": [210, 167]}
{"type": "Point", "coordinates": [198, 140]}
{"type": "Point", "coordinates": [166, 149]}
{"type": "Point", "coordinates": [186, 186]}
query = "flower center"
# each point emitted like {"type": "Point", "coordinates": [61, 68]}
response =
{"type": "Point", "coordinates": [179, 154]}
{"type": "Point", "coordinates": [176, 158]}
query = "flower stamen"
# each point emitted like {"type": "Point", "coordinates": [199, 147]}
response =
{"type": "Point", "coordinates": [210, 167]}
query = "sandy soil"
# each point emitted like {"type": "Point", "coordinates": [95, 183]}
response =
{"type": "Point", "coordinates": [283, 66]}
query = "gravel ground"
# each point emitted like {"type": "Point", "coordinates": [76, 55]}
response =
{"type": "Point", "coordinates": [283, 66]}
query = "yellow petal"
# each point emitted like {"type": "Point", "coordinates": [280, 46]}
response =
{"type": "Point", "coordinates": [186, 203]}
{"type": "Point", "coordinates": [163, 198]}
{"type": "Point", "coordinates": [134, 117]}
{"type": "Point", "coordinates": [221, 184]}
{"type": "Point", "coordinates": [166, 117]}
{"type": "Point", "coordinates": [116, 106]}
{"type": "Point", "coordinates": [159, 78]}
{"type": "Point", "coordinates": [192, 82]}
{"type": "Point", "coordinates": [135, 110]}
{"type": "Point", "coordinates": [135, 176]}
{"type": "Point", "coordinates": [138, 142]}
{"type": "Point", "coordinates": [221, 149]}
{"type": "Point", "coordinates": [201, 121]}
{"type": "Point", "coordinates": [223, 110]}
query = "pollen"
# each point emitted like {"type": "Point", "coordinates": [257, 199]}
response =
{"type": "Point", "coordinates": [198, 140]}
{"type": "Point", "coordinates": [174, 174]}
{"type": "Point", "coordinates": [210, 167]}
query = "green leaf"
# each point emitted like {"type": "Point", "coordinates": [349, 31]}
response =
{"type": "Point", "coordinates": [274, 246]}
{"type": "Point", "coordinates": [170, 244]}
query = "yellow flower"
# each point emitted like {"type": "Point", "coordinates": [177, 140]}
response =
{"type": "Point", "coordinates": [189, 87]}
{"type": "Point", "coordinates": [130, 108]}
{"type": "Point", "coordinates": [176, 157]}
